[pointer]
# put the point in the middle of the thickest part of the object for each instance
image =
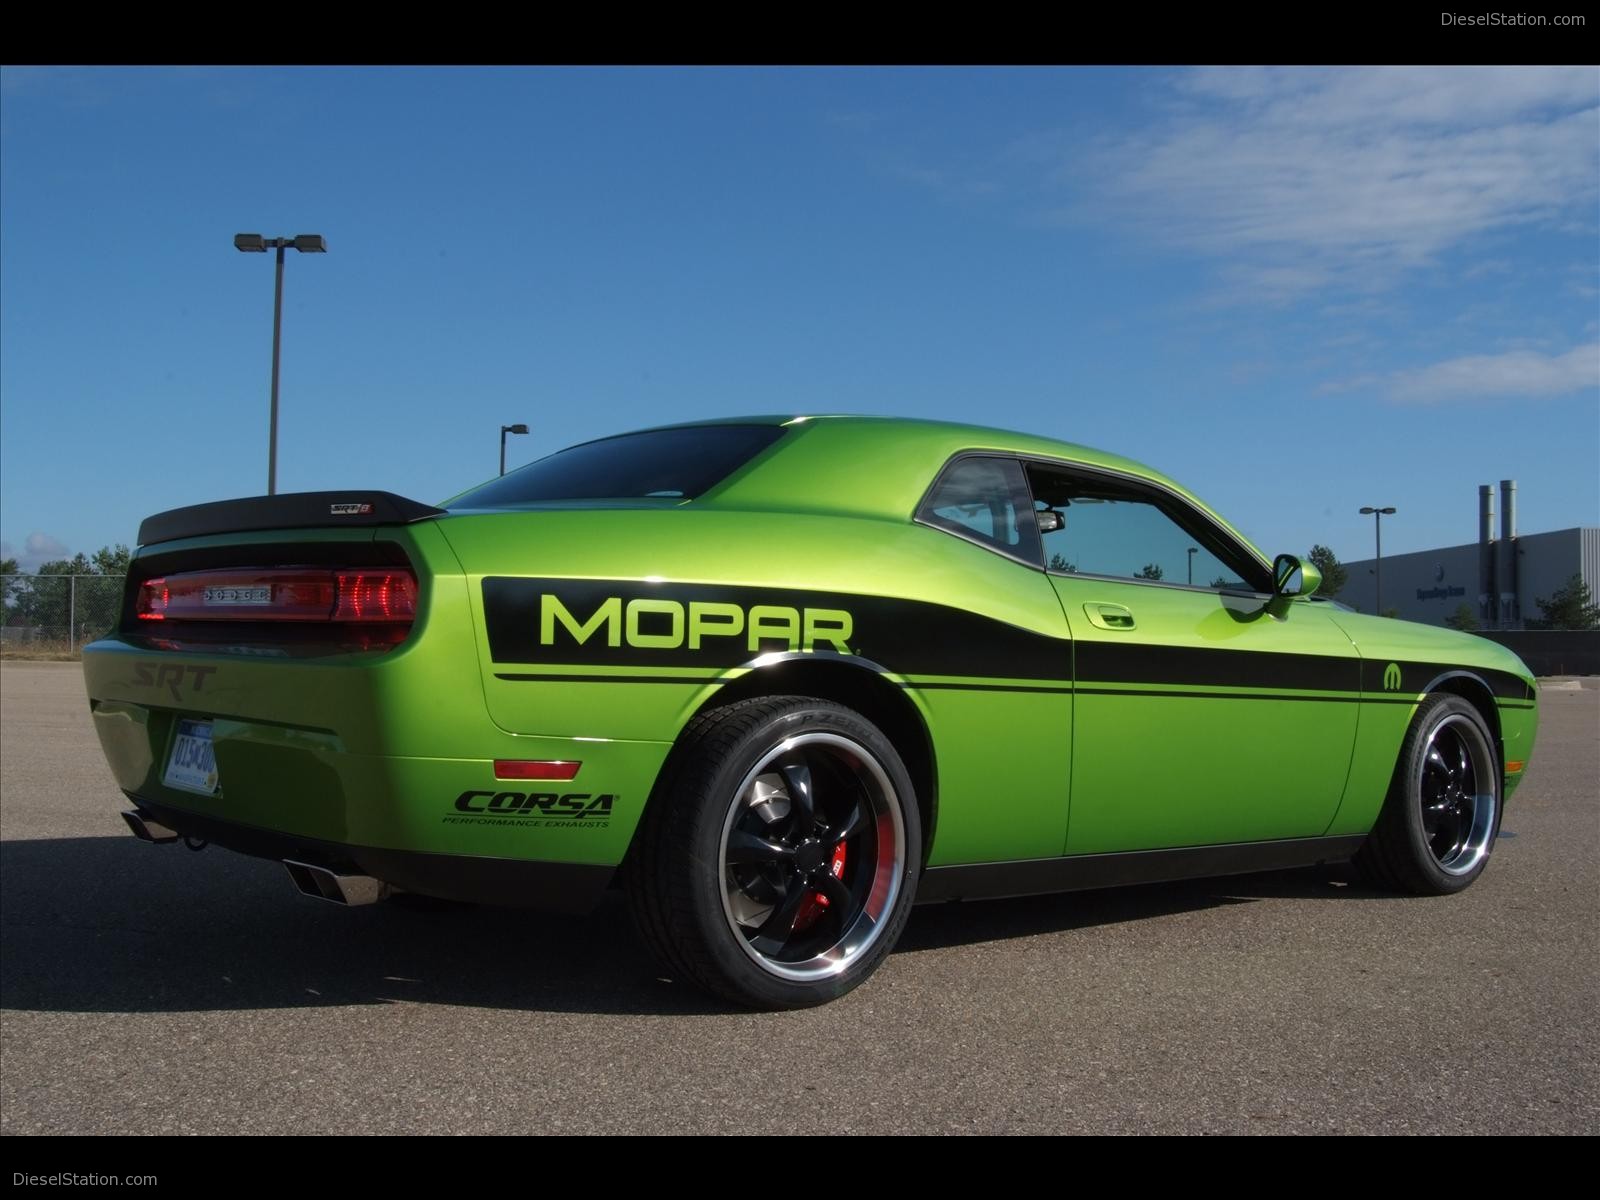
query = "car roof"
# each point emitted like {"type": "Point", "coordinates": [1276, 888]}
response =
{"type": "Point", "coordinates": [880, 467]}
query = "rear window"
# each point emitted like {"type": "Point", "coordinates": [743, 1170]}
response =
{"type": "Point", "coordinates": [663, 464]}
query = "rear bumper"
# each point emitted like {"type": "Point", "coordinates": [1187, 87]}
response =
{"type": "Point", "coordinates": [513, 883]}
{"type": "Point", "coordinates": [395, 755]}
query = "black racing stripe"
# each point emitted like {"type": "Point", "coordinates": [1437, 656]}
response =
{"type": "Point", "coordinates": [1416, 677]}
{"type": "Point", "coordinates": [513, 678]}
{"type": "Point", "coordinates": [1127, 662]}
{"type": "Point", "coordinates": [1199, 695]}
{"type": "Point", "coordinates": [1065, 688]}
{"type": "Point", "coordinates": [911, 636]}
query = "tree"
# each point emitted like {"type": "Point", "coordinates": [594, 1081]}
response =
{"type": "Point", "coordinates": [1570, 607]}
{"type": "Point", "coordinates": [1150, 571]}
{"type": "Point", "coordinates": [110, 560]}
{"type": "Point", "coordinates": [1463, 618]}
{"type": "Point", "coordinates": [1334, 576]}
{"type": "Point", "coordinates": [8, 568]}
{"type": "Point", "coordinates": [1059, 563]}
{"type": "Point", "coordinates": [48, 601]}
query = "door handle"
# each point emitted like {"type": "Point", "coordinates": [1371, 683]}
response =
{"type": "Point", "coordinates": [1115, 617]}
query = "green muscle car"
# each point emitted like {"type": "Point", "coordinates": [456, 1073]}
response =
{"type": "Point", "coordinates": [779, 678]}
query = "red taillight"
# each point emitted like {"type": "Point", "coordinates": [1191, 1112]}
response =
{"type": "Point", "coordinates": [376, 596]}
{"type": "Point", "coordinates": [364, 596]}
{"type": "Point", "coordinates": [153, 599]}
{"type": "Point", "coordinates": [519, 768]}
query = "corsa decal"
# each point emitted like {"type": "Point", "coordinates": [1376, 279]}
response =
{"type": "Point", "coordinates": [539, 810]}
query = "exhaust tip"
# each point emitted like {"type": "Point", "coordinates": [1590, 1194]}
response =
{"type": "Point", "coordinates": [322, 884]}
{"type": "Point", "coordinates": [147, 829]}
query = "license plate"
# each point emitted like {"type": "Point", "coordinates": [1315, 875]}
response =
{"type": "Point", "coordinates": [237, 595]}
{"type": "Point", "coordinates": [192, 766]}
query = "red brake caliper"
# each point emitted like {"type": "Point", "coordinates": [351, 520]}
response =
{"type": "Point", "coordinates": [816, 904]}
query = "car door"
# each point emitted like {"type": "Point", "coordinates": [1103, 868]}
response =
{"type": "Point", "coordinates": [1206, 710]}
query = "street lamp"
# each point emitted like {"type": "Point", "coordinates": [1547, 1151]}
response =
{"type": "Point", "coordinates": [1378, 514]}
{"type": "Point", "coordinates": [254, 243]}
{"type": "Point", "coordinates": [1193, 550]}
{"type": "Point", "coordinates": [505, 429]}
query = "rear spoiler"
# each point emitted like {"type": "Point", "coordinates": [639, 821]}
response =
{"type": "Point", "coordinates": [292, 510]}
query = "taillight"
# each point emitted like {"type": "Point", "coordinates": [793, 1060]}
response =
{"type": "Point", "coordinates": [365, 596]}
{"type": "Point", "coordinates": [375, 596]}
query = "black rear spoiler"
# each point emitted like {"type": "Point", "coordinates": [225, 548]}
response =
{"type": "Point", "coordinates": [292, 510]}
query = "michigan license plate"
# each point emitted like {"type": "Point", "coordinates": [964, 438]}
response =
{"type": "Point", "coordinates": [192, 766]}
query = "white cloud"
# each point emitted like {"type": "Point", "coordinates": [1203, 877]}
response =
{"type": "Point", "coordinates": [1304, 177]}
{"type": "Point", "coordinates": [36, 548]}
{"type": "Point", "coordinates": [1514, 374]}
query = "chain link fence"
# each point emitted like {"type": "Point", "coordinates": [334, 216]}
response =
{"type": "Point", "coordinates": [52, 616]}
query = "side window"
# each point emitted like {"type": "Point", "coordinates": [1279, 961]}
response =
{"type": "Point", "coordinates": [1114, 530]}
{"type": "Point", "coordinates": [985, 500]}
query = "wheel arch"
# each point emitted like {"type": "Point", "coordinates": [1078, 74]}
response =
{"type": "Point", "coordinates": [1475, 691]}
{"type": "Point", "coordinates": [858, 686]}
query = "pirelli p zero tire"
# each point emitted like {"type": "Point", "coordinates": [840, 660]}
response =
{"type": "Point", "coordinates": [780, 856]}
{"type": "Point", "coordinates": [1442, 814]}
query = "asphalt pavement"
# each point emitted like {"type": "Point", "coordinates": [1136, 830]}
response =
{"type": "Point", "coordinates": [150, 989]}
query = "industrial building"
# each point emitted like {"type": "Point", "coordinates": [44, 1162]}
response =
{"type": "Point", "coordinates": [1501, 576]}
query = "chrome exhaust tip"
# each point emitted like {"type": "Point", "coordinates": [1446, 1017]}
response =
{"type": "Point", "coordinates": [322, 884]}
{"type": "Point", "coordinates": [147, 829]}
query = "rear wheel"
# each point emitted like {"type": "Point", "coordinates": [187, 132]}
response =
{"type": "Point", "coordinates": [778, 863]}
{"type": "Point", "coordinates": [1442, 813]}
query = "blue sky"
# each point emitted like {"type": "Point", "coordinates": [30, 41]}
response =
{"type": "Point", "coordinates": [1298, 291]}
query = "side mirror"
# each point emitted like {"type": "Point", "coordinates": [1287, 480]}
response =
{"type": "Point", "coordinates": [1050, 521]}
{"type": "Point", "coordinates": [1291, 577]}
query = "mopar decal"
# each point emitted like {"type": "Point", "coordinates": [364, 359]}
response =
{"type": "Point", "coordinates": [651, 624]}
{"type": "Point", "coordinates": [617, 622]}
{"type": "Point", "coordinates": [537, 809]}
{"type": "Point", "coordinates": [1391, 677]}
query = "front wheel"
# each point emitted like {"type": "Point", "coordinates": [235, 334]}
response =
{"type": "Point", "coordinates": [1442, 813]}
{"type": "Point", "coordinates": [779, 860]}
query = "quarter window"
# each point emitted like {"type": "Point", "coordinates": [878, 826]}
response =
{"type": "Point", "coordinates": [985, 500]}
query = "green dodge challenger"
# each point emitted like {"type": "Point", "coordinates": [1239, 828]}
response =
{"type": "Point", "coordinates": [779, 678]}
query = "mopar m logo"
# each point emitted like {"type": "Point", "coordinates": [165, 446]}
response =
{"type": "Point", "coordinates": [1391, 677]}
{"type": "Point", "coordinates": [647, 623]}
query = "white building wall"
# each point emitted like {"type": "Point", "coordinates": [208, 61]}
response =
{"type": "Point", "coordinates": [1430, 585]}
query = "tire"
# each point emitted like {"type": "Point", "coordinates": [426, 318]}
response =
{"type": "Point", "coordinates": [779, 858]}
{"type": "Point", "coordinates": [1442, 814]}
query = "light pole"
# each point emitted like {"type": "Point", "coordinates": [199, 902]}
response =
{"type": "Point", "coordinates": [1193, 550]}
{"type": "Point", "coordinates": [505, 429]}
{"type": "Point", "coordinates": [1378, 514]}
{"type": "Point", "coordinates": [254, 243]}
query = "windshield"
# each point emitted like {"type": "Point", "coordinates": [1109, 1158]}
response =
{"type": "Point", "coordinates": [663, 464]}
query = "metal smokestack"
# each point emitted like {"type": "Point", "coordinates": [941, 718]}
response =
{"type": "Point", "coordinates": [1506, 559]}
{"type": "Point", "coordinates": [1486, 594]}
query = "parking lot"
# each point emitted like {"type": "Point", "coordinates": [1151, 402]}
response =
{"type": "Point", "coordinates": [151, 989]}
